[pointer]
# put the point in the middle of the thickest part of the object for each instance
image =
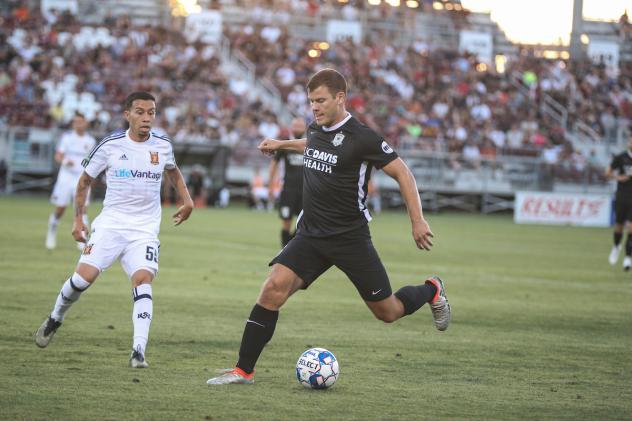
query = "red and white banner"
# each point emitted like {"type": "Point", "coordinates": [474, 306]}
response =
{"type": "Point", "coordinates": [591, 210]}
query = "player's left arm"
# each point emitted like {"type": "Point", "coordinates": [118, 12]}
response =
{"type": "Point", "coordinates": [177, 181]}
{"type": "Point", "coordinates": [399, 171]}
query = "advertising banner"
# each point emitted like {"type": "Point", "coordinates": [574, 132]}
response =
{"type": "Point", "coordinates": [563, 209]}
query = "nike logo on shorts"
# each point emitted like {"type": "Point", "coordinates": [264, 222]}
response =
{"type": "Point", "coordinates": [375, 292]}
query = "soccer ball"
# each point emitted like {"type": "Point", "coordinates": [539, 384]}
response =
{"type": "Point", "coordinates": [317, 368]}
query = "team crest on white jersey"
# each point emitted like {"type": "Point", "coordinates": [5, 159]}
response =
{"type": "Point", "coordinates": [153, 157]}
{"type": "Point", "coordinates": [87, 249]}
{"type": "Point", "coordinates": [338, 138]}
{"type": "Point", "coordinates": [386, 148]}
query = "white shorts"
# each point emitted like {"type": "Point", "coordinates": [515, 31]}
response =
{"type": "Point", "coordinates": [260, 193]}
{"type": "Point", "coordinates": [65, 188]}
{"type": "Point", "coordinates": [136, 250]}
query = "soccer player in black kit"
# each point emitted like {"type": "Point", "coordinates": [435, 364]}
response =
{"type": "Point", "coordinates": [291, 198]}
{"type": "Point", "coordinates": [620, 169]}
{"type": "Point", "coordinates": [339, 154]}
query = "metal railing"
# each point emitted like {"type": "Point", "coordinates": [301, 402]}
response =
{"type": "Point", "coordinates": [265, 89]}
{"type": "Point", "coordinates": [28, 155]}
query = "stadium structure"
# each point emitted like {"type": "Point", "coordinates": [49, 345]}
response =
{"type": "Point", "coordinates": [477, 117]}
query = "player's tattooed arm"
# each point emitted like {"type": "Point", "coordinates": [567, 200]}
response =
{"type": "Point", "coordinates": [81, 194]}
{"type": "Point", "coordinates": [177, 180]}
{"type": "Point", "coordinates": [79, 229]}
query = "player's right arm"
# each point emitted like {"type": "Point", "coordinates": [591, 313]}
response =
{"type": "Point", "coordinates": [59, 157]}
{"type": "Point", "coordinates": [269, 146]}
{"type": "Point", "coordinates": [271, 178]}
{"type": "Point", "coordinates": [79, 229]}
{"type": "Point", "coordinates": [611, 172]}
{"type": "Point", "coordinates": [60, 150]}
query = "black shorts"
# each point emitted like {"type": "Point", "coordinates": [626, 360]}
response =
{"type": "Point", "coordinates": [290, 203]}
{"type": "Point", "coordinates": [352, 252]}
{"type": "Point", "coordinates": [623, 209]}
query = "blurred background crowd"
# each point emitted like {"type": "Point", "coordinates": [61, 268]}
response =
{"type": "Point", "coordinates": [423, 96]}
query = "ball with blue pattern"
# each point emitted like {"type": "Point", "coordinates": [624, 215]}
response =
{"type": "Point", "coordinates": [317, 368]}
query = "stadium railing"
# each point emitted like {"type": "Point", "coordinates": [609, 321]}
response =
{"type": "Point", "coordinates": [488, 185]}
{"type": "Point", "coordinates": [28, 155]}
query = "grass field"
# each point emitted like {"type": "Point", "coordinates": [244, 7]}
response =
{"type": "Point", "coordinates": [542, 326]}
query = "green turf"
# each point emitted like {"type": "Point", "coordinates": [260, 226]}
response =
{"type": "Point", "coordinates": [542, 326]}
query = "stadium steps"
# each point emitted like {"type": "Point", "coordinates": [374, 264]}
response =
{"type": "Point", "coordinates": [234, 63]}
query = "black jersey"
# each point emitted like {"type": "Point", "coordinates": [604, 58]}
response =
{"type": "Point", "coordinates": [622, 165]}
{"type": "Point", "coordinates": [337, 166]}
{"type": "Point", "coordinates": [293, 162]}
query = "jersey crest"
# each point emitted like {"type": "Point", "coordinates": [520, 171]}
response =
{"type": "Point", "coordinates": [153, 158]}
{"type": "Point", "coordinates": [87, 249]}
{"type": "Point", "coordinates": [338, 138]}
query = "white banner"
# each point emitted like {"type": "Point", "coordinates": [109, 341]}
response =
{"type": "Point", "coordinates": [59, 5]}
{"type": "Point", "coordinates": [205, 26]}
{"type": "Point", "coordinates": [343, 29]}
{"type": "Point", "coordinates": [480, 44]}
{"type": "Point", "coordinates": [604, 51]}
{"type": "Point", "coordinates": [591, 210]}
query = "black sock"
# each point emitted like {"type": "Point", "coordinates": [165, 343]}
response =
{"type": "Point", "coordinates": [617, 238]}
{"type": "Point", "coordinates": [285, 237]}
{"type": "Point", "coordinates": [257, 333]}
{"type": "Point", "coordinates": [628, 246]}
{"type": "Point", "coordinates": [413, 297]}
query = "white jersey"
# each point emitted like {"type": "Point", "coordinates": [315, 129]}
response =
{"type": "Point", "coordinates": [133, 172]}
{"type": "Point", "coordinates": [75, 148]}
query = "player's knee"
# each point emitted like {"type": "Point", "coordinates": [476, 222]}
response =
{"type": "Point", "coordinates": [141, 277]}
{"type": "Point", "coordinates": [87, 272]}
{"type": "Point", "coordinates": [386, 316]}
{"type": "Point", "coordinates": [274, 292]}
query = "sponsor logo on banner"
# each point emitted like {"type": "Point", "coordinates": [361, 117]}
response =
{"type": "Point", "coordinates": [565, 209]}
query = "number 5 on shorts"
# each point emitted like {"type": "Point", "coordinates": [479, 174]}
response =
{"type": "Point", "coordinates": [152, 254]}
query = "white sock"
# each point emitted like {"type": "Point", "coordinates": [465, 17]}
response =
{"type": "Point", "coordinates": [52, 222]}
{"type": "Point", "coordinates": [70, 292]}
{"type": "Point", "coordinates": [141, 315]}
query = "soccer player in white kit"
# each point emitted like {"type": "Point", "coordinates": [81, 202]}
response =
{"type": "Point", "coordinates": [127, 228]}
{"type": "Point", "coordinates": [72, 148]}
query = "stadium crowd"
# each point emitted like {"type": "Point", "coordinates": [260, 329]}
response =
{"type": "Point", "coordinates": [421, 98]}
{"type": "Point", "coordinates": [51, 66]}
{"type": "Point", "coordinates": [439, 100]}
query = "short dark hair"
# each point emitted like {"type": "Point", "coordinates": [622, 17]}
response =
{"type": "Point", "coordinates": [146, 96]}
{"type": "Point", "coordinates": [329, 78]}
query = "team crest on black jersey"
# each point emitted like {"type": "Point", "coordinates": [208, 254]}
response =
{"type": "Point", "coordinates": [338, 138]}
{"type": "Point", "coordinates": [153, 157]}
